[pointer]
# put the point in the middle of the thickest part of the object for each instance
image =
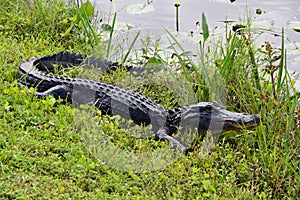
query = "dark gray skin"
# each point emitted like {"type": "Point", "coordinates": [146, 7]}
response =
{"type": "Point", "coordinates": [129, 104]}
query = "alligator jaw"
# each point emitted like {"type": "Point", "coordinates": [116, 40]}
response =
{"type": "Point", "coordinates": [242, 121]}
{"type": "Point", "coordinates": [211, 116]}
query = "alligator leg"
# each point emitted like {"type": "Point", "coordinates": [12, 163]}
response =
{"type": "Point", "coordinates": [162, 135]}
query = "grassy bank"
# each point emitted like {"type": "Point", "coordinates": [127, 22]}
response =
{"type": "Point", "coordinates": [43, 156]}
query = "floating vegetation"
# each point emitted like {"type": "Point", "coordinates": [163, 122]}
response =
{"type": "Point", "coordinates": [258, 11]}
{"type": "Point", "coordinates": [177, 4]}
{"type": "Point", "coordinates": [294, 25]}
{"type": "Point", "coordinates": [138, 9]}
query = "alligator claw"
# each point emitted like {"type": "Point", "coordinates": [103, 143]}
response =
{"type": "Point", "coordinates": [176, 145]}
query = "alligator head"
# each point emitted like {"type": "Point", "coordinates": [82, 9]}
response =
{"type": "Point", "coordinates": [211, 116]}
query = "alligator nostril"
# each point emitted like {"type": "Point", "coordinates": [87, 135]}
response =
{"type": "Point", "coordinates": [257, 118]}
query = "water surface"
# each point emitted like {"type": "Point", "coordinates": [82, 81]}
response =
{"type": "Point", "coordinates": [274, 15]}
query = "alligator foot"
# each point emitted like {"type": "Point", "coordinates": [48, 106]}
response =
{"type": "Point", "coordinates": [176, 145]}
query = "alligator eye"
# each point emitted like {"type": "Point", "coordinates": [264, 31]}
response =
{"type": "Point", "coordinates": [208, 107]}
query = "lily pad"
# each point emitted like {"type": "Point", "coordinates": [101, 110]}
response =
{"type": "Point", "coordinates": [294, 25]}
{"type": "Point", "coordinates": [262, 24]}
{"type": "Point", "coordinates": [296, 61]}
{"type": "Point", "coordinates": [227, 21]}
{"type": "Point", "coordinates": [293, 48]}
{"type": "Point", "coordinates": [105, 27]}
{"type": "Point", "coordinates": [123, 26]}
{"type": "Point", "coordinates": [220, 1]}
{"type": "Point", "coordinates": [293, 54]}
{"type": "Point", "coordinates": [138, 9]}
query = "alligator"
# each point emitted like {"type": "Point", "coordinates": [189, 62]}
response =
{"type": "Point", "coordinates": [115, 100]}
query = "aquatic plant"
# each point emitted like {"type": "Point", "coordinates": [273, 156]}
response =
{"type": "Point", "coordinates": [177, 4]}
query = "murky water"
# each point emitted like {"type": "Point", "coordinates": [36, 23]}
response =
{"type": "Point", "coordinates": [274, 15]}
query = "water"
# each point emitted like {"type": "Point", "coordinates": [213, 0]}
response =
{"type": "Point", "coordinates": [275, 14]}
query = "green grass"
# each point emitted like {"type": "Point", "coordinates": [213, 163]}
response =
{"type": "Point", "coordinates": [43, 156]}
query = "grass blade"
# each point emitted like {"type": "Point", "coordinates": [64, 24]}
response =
{"type": "Point", "coordinates": [111, 35]}
{"type": "Point", "coordinates": [204, 28]}
{"type": "Point", "coordinates": [281, 65]}
{"type": "Point", "coordinates": [130, 47]}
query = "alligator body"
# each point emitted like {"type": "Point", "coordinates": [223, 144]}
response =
{"type": "Point", "coordinates": [129, 104]}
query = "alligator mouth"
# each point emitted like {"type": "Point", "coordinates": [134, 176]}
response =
{"type": "Point", "coordinates": [238, 125]}
{"type": "Point", "coordinates": [247, 122]}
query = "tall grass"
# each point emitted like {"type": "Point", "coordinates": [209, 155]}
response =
{"type": "Point", "coordinates": [111, 35]}
{"type": "Point", "coordinates": [84, 14]}
{"type": "Point", "coordinates": [249, 89]}
{"type": "Point", "coordinates": [252, 87]}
